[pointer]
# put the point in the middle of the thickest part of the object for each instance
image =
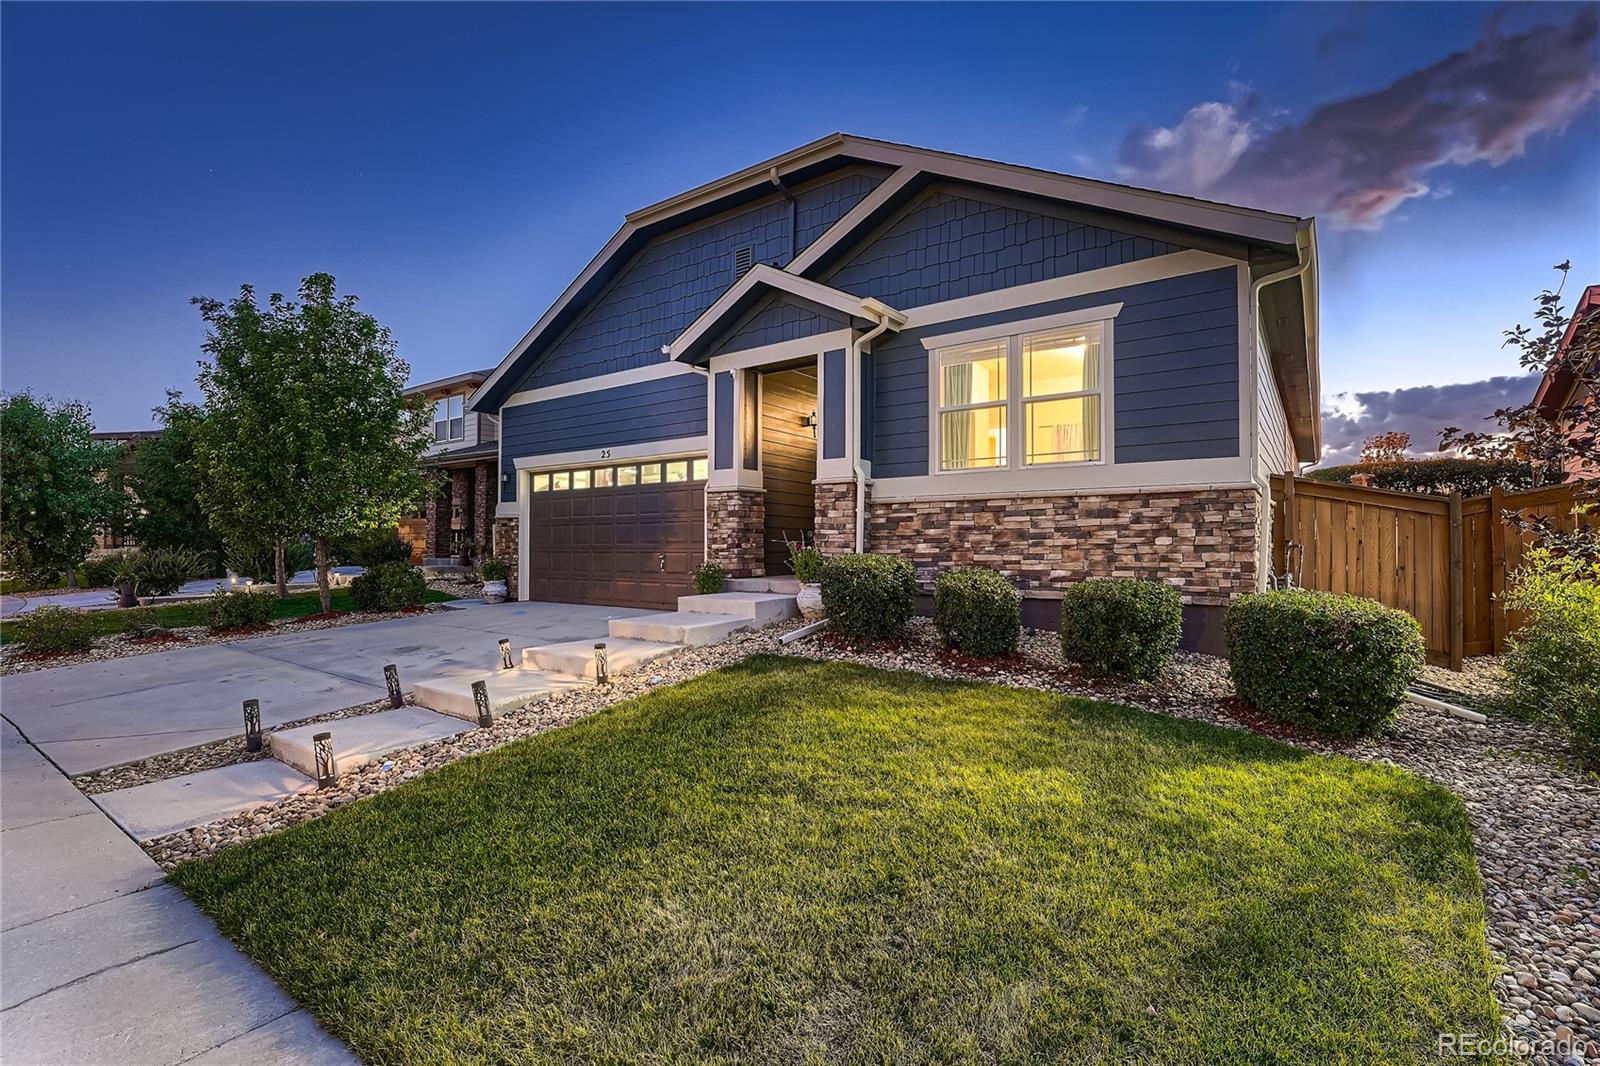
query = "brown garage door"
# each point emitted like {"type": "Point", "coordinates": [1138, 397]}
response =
{"type": "Point", "coordinates": [629, 535]}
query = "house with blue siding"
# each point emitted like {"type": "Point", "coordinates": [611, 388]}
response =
{"type": "Point", "coordinates": [892, 349]}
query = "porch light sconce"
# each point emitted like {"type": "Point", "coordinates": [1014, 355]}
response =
{"type": "Point", "coordinates": [480, 700]}
{"type": "Point", "coordinates": [602, 676]}
{"type": "Point", "coordinates": [322, 750]}
{"type": "Point", "coordinates": [252, 725]}
{"type": "Point", "coordinates": [391, 678]}
{"type": "Point", "coordinates": [810, 422]}
{"type": "Point", "coordinates": [505, 654]}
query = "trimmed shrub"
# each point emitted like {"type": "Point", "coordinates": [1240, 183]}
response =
{"type": "Point", "coordinates": [806, 562]}
{"type": "Point", "coordinates": [55, 629]}
{"type": "Point", "coordinates": [1470, 477]}
{"type": "Point", "coordinates": [1333, 664]}
{"type": "Point", "coordinates": [495, 570]}
{"type": "Point", "coordinates": [388, 587]}
{"type": "Point", "coordinates": [1554, 663]}
{"type": "Point", "coordinates": [162, 571]}
{"type": "Point", "coordinates": [1120, 627]}
{"type": "Point", "coordinates": [101, 573]}
{"type": "Point", "coordinates": [977, 612]}
{"type": "Point", "coordinates": [236, 608]}
{"type": "Point", "coordinates": [709, 579]}
{"type": "Point", "coordinates": [371, 549]}
{"type": "Point", "coordinates": [141, 622]}
{"type": "Point", "coordinates": [868, 597]}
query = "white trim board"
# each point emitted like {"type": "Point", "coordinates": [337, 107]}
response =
{"type": "Point", "coordinates": [782, 351]}
{"type": "Point", "coordinates": [772, 277]}
{"type": "Point", "coordinates": [657, 449]}
{"type": "Point", "coordinates": [653, 372]}
{"type": "Point", "coordinates": [1103, 313]}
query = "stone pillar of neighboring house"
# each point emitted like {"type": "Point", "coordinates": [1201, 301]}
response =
{"type": "Point", "coordinates": [460, 503]}
{"type": "Point", "coordinates": [735, 528]}
{"type": "Point", "coordinates": [1206, 543]}
{"type": "Point", "coordinates": [436, 542]}
{"type": "Point", "coordinates": [506, 544]}
{"type": "Point", "coordinates": [484, 490]}
{"type": "Point", "coordinates": [836, 517]}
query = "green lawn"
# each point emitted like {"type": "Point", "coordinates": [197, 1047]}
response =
{"type": "Point", "coordinates": [787, 861]}
{"type": "Point", "coordinates": [194, 613]}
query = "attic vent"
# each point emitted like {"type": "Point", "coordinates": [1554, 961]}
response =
{"type": "Point", "coordinates": [743, 259]}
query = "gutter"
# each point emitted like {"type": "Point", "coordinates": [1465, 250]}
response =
{"type": "Point", "coordinates": [1304, 269]}
{"type": "Point", "coordinates": [886, 318]}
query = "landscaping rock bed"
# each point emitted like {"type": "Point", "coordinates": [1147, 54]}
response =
{"type": "Point", "coordinates": [1535, 815]}
{"type": "Point", "coordinates": [16, 660]}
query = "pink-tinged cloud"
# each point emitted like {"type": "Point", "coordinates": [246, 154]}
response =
{"type": "Point", "coordinates": [1356, 160]}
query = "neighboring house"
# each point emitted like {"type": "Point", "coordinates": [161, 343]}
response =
{"type": "Point", "coordinates": [899, 350]}
{"type": "Point", "coordinates": [1565, 389]}
{"type": "Point", "coordinates": [116, 535]}
{"type": "Point", "coordinates": [458, 521]}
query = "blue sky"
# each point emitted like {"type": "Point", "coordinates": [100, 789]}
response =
{"type": "Point", "coordinates": [456, 165]}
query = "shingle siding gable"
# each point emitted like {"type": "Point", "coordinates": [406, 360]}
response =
{"type": "Point", "coordinates": [783, 318]}
{"type": "Point", "coordinates": [954, 243]}
{"type": "Point", "coordinates": [676, 277]}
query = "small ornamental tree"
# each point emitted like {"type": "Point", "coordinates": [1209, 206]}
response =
{"type": "Point", "coordinates": [53, 496]}
{"type": "Point", "coordinates": [166, 481]}
{"type": "Point", "coordinates": [1389, 447]}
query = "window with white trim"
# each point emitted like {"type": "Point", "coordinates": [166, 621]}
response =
{"type": "Point", "coordinates": [1032, 399]}
{"type": "Point", "coordinates": [449, 421]}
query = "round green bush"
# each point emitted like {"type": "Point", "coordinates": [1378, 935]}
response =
{"type": "Point", "coordinates": [391, 586]}
{"type": "Point", "coordinates": [868, 597]}
{"type": "Point", "coordinates": [1120, 627]}
{"type": "Point", "coordinates": [1333, 664]}
{"type": "Point", "coordinates": [977, 612]}
{"type": "Point", "coordinates": [709, 579]}
{"type": "Point", "coordinates": [237, 608]}
{"type": "Point", "coordinates": [51, 629]}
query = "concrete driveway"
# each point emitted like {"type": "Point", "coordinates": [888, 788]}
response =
{"type": "Point", "coordinates": [103, 714]}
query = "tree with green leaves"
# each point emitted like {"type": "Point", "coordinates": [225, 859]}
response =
{"type": "Point", "coordinates": [166, 482]}
{"type": "Point", "coordinates": [53, 494]}
{"type": "Point", "coordinates": [249, 494]}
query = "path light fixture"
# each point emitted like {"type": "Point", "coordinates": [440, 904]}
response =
{"type": "Point", "coordinates": [391, 678]}
{"type": "Point", "coordinates": [252, 725]}
{"type": "Point", "coordinates": [322, 750]}
{"type": "Point", "coordinates": [480, 699]}
{"type": "Point", "coordinates": [601, 675]}
{"type": "Point", "coordinates": [505, 654]}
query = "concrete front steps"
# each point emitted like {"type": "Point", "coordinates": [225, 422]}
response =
{"type": "Point", "coordinates": [577, 657]}
{"type": "Point", "coordinates": [508, 690]}
{"type": "Point", "coordinates": [706, 619]}
{"type": "Point", "coordinates": [364, 739]}
{"type": "Point", "coordinates": [788, 586]}
{"type": "Point", "coordinates": [153, 810]}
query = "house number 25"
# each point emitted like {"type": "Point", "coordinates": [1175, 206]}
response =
{"type": "Point", "coordinates": [605, 453]}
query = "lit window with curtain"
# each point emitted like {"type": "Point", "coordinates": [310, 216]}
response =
{"type": "Point", "coordinates": [973, 406]}
{"type": "Point", "coordinates": [1061, 396]}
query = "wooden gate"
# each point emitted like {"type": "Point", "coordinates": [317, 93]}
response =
{"type": "Point", "coordinates": [1442, 559]}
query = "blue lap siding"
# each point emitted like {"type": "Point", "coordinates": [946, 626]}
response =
{"type": "Point", "coordinates": [607, 418]}
{"type": "Point", "coordinates": [1175, 377]}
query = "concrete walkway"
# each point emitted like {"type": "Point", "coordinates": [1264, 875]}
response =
{"type": "Point", "coordinates": [106, 963]}
{"type": "Point", "coordinates": [102, 714]}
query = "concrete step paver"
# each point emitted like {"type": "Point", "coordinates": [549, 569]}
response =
{"type": "Point", "coordinates": [691, 628]}
{"type": "Point", "coordinates": [577, 657]}
{"type": "Point", "coordinates": [150, 811]}
{"type": "Point", "coordinates": [363, 739]}
{"type": "Point", "coordinates": [508, 690]}
{"type": "Point", "coordinates": [761, 607]}
{"type": "Point", "coordinates": [789, 586]}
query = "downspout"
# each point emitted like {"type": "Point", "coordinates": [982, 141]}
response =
{"type": "Point", "coordinates": [853, 423]}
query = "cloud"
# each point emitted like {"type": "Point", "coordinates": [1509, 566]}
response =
{"type": "Point", "coordinates": [1358, 159]}
{"type": "Point", "coordinates": [1423, 411]}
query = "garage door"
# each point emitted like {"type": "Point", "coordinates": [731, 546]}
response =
{"type": "Point", "coordinates": [628, 534]}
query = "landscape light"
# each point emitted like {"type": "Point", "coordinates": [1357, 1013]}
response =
{"type": "Point", "coordinates": [391, 677]}
{"type": "Point", "coordinates": [601, 675]}
{"type": "Point", "coordinates": [322, 749]}
{"type": "Point", "coordinates": [505, 654]}
{"type": "Point", "coordinates": [480, 698]}
{"type": "Point", "coordinates": [252, 725]}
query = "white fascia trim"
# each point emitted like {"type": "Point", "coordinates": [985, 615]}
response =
{"type": "Point", "coordinates": [1145, 203]}
{"type": "Point", "coordinates": [762, 274]}
{"type": "Point", "coordinates": [1186, 475]}
{"type": "Point", "coordinates": [1157, 268]}
{"type": "Point", "coordinates": [653, 372]}
{"type": "Point", "coordinates": [780, 352]}
{"type": "Point", "coordinates": [1103, 313]}
{"type": "Point", "coordinates": [655, 449]}
{"type": "Point", "coordinates": [852, 219]}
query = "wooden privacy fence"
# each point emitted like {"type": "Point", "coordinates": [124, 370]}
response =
{"type": "Point", "coordinates": [1442, 559]}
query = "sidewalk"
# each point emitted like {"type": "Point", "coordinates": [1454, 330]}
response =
{"type": "Point", "coordinates": [106, 963]}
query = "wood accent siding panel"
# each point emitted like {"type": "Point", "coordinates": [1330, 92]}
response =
{"type": "Point", "coordinates": [782, 318]}
{"type": "Point", "coordinates": [629, 414]}
{"type": "Point", "coordinates": [1175, 379]}
{"type": "Point", "coordinates": [788, 460]}
{"type": "Point", "coordinates": [675, 277]}
{"type": "Point", "coordinates": [608, 545]}
{"type": "Point", "coordinates": [954, 242]}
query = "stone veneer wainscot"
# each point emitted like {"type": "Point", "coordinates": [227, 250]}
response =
{"type": "Point", "coordinates": [507, 549]}
{"type": "Point", "coordinates": [735, 524]}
